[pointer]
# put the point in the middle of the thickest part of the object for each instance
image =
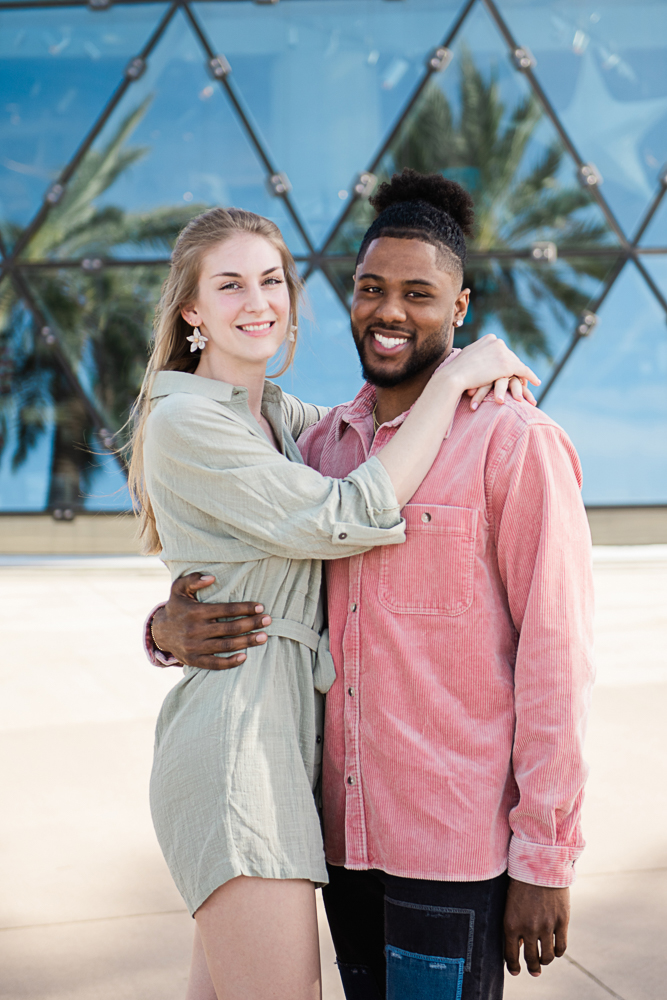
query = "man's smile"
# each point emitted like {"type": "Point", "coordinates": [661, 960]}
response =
{"type": "Point", "coordinates": [388, 343]}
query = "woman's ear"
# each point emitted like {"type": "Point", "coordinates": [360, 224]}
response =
{"type": "Point", "coordinates": [191, 316]}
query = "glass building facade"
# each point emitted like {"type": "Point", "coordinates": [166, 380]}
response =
{"type": "Point", "coordinates": [119, 121]}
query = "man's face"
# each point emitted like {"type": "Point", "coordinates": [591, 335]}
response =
{"type": "Point", "coordinates": [403, 310]}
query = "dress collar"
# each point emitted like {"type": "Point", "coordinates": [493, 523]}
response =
{"type": "Point", "coordinates": [166, 383]}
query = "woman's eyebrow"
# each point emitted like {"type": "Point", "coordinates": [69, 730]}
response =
{"type": "Point", "coordinates": [235, 274]}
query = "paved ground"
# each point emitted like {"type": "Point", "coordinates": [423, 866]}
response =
{"type": "Point", "coordinates": [87, 908]}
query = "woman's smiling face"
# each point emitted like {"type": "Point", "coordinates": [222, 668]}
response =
{"type": "Point", "coordinates": [242, 305]}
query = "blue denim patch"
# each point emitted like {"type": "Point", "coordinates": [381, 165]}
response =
{"type": "Point", "coordinates": [422, 977]}
{"type": "Point", "coordinates": [358, 982]}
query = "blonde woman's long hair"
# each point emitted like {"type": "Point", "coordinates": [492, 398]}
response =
{"type": "Point", "coordinates": [170, 349]}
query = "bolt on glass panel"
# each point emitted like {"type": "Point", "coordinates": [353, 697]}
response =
{"type": "Point", "coordinates": [324, 81]}
{"type": "Point", "coordinates": [58, 69]}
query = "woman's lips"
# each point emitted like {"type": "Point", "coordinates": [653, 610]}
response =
{"type": "Point", "coordinates": [257, 329]}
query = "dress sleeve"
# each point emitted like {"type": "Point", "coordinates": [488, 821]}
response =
{"type": "Point", "coordinates": [298, 416]}
{"type": "Point", "coordinates": [202, 457]}
{"type": "Point", "coordinates": [544, 556]}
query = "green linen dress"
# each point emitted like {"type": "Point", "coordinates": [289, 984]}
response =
{"type": "Point", "coordinates": [237, 752]}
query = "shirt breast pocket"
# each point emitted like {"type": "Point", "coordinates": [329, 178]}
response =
{"type": "Point", "coordinates": [432, 572]}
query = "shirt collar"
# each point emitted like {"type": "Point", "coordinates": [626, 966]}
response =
{"type": "Point", "coordinates": [361, 407]}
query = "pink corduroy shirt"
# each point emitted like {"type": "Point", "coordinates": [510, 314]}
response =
{"type": "Point", "coordinates": [454, 729]}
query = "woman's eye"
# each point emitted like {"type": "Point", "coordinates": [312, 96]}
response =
{"type": "Point", "coordinates": [273, 281]}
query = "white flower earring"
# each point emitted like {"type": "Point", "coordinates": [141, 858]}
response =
{"type": "Point", "coordinates": [291, 336]}
{"type": "Point", "coordinates": [197, 340]}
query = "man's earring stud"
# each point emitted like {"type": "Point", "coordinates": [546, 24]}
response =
{"type": "Point", "coordinates": [459, 322]}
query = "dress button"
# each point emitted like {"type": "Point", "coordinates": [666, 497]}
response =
{"type": "Point", "coordinates": [350, 691]}
{"type": "Point", "coordinates": [343, 534]}
{"type": "Point", "coordinates": [353, 607]}
{"type": "Point", "coordinates": [350, 780]}
{"type": "Point", "coordinates": [426, 517]}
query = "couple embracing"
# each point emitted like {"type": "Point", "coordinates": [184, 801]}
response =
{"type": "Point", "coordinates": [451, 636]}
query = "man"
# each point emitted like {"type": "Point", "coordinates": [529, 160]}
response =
{"type": "Point", "coordinates": [453, 772]}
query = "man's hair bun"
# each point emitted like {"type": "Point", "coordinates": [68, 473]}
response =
{"type": "Point", "coordinates": [433, 189]}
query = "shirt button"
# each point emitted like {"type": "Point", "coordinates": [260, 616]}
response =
{"type": "Point", "coordinates": [350, 691]}
{"type": "Point", "coordinates": [318, 739]}
{"type": "Point", "coordinates": [350, 780]}
{"type": "Point", "coordinates": [426, 517]}
{"type": "Point", "coordinates": [343, 534]}
{"type": "Point", "coordinates": [353, 607]}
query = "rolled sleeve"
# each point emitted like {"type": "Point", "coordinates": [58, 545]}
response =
{"type": "Point", "coordinates": [157, 657]}
{"type": "Point", "coordinates": [542, 864]}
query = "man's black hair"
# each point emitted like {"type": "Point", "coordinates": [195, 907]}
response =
{"type": "Point", "coordinates": [427, 207]}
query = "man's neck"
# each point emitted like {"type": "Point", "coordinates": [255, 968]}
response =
{"type": "Point", "coordinates": [399, 398]}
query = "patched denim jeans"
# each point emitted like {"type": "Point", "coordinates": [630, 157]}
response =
{"type": "Point", "coordinates": [415, 939]}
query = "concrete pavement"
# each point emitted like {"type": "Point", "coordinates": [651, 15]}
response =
{"type": "Point", "coordinates": [87, 907]}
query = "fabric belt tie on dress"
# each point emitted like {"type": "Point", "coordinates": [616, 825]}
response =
{"type": "Point", "coordinates": [324, 672]}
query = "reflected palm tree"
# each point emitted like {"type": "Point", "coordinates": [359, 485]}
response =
{"type": "Point", "coordinates": [486, 149]}
{"type": "Point", "coordinates": [103, 318]}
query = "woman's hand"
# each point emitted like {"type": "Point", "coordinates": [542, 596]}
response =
{"type": "Point", "coordinates": [517, 387]}
{"type": "Point", "coordinates": [501, 368]}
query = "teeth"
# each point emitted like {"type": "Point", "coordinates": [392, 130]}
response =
{"type": "Point", "coordinates": [390, 341]}
{"type": "Point", "coordinates": [252, 327]}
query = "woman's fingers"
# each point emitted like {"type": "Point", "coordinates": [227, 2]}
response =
{"type": "Point", "coordinates": [479, 394]}
{"type": "Point", "coordinates": [528, 396]}
{"type": "Point", "coordinates": [516, 389]}
{"type": "Point", "coordinates": [500, 389]}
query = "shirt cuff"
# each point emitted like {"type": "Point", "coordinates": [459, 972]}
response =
{"type": "Point", "coordinates": [542, 864]}
{"type": "Point", "coordinates": [156, 657]}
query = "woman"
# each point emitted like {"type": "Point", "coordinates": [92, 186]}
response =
{"type": "Point", "coordinates": [222, 489]}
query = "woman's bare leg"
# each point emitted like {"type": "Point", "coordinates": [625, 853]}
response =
{"type": "Point", "coordinates": [200, 984]}
{"type": "Point", "coordinates": [260, 939]}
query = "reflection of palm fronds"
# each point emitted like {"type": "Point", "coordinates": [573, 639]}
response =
{"type": "Point", "coordinates": [485, 148]}
{"type": "Point", "coordinates": [103, 320]}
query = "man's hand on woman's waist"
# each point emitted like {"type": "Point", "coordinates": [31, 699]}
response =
{"type": "Point", "coordinates": [190, 630]}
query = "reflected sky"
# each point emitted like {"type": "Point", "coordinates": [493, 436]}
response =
{"type": "Point", "coordinates": [611, 398]}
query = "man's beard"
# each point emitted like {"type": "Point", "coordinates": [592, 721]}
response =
{"type": "Point", "coordinates": [420, 358]}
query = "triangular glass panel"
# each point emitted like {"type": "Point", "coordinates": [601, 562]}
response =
{"type": "Point", "coordinates": [478, 123]}
{"type": "Point", "coordinates": [656, 231]}
{"type": "Point", "coordinates": [103, 320]}
{"type": "Point", "coordinates": [611, 399]}
{"type": "Point", "coordinates": [602, 67]}
{"type": "Point", "coordinates": [49, 454]}
{"type": "Point", "coordinates": [172, 148]}
{"type": "Point", "coordinates": [58, 69]}
{"type": "Point", "coordinates": [337, 72]}
{"type": "Point", "coordinates": [326, 369]}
